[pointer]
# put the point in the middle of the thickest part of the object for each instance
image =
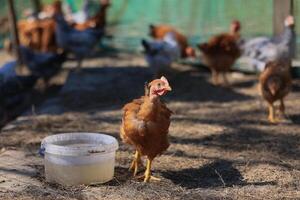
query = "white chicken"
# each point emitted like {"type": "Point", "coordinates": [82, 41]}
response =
{"type": "Point", "coordinates": [261, 50]}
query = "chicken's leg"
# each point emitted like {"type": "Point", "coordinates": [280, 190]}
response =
{"type": "Point", "coordinates": [272, 113]}
{"type": "Point", "coordinates": [226, 83]}
{"type": "Point", "coordinates": [148, 175]}
{"type": "Point", "coordinates": [215, 77]}
{"type": "Point", "coordinates": [135, 163]}
{"type": "Point", "coordinates": [282, 107]}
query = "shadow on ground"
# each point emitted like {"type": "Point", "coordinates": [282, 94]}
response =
{"type": "Point", "coordinates": [219, 173]}
{"type": "Point", "coordinates": [295, 118]}
{"type": "Point", "coordinates": [191, 86]}
{"type": "Point", "coordinates": [95, 88]}
{"type": "Point", "coordinates": [243, 139]}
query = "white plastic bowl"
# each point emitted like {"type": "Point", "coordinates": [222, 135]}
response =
{"type": "Point", "coordinates": [79, 158]}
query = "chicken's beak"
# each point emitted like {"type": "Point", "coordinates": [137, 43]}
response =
{"type": "Point", "coordinates": [168, 88]}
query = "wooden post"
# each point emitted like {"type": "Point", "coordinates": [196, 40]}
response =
{"type": "Point", "coordinates": [37, 6]}
{"type": "Point", "coordinates": [14, 30]}
{"type": "Point", "coordinates": [281, 9]}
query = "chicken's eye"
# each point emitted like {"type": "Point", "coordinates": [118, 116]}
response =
{"type": "Point", "coordinates": [158, 85]}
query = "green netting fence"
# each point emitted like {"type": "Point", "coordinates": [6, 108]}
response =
{"type": "Point", "coordinates": [198, 19]}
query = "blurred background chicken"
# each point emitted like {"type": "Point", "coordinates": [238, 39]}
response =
{"type": "Point", "coordinates": [159, 32]}
{"type": "Point", "coordinates": [38, 35]}
{"type": "Point", "coordinates": [145, 125]}
{"type": "Point", "coordinates": [8, 70]}
{"type": "Point", "coordinates": [13, 92]}
{"type": "Point", "coordinates": [261, 50]}
{"type": "Point", "coordinates": [221, 51]}
{"type": "Point", "coordinates": [161, 53]}
{"type": "Point", "coordinates": [38, 31]}
{"type": "Point", "coordinates": [48, 38]}
{"type": "Point", "coordinates": [30, 33]}
{"type": "Point", "coordinates": [43, 65]}
{"type": "Point", "coordinates": [80, 43]}
{"type": "Point", "coordinates": [98, 20]}
{"type": "Point", "coordinates": [81, 15]}
{"type": "Point", "coordinates": [275, 84]}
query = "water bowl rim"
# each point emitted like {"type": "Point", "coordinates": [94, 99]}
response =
{"type": "Point", "coordinates": [110, 144]}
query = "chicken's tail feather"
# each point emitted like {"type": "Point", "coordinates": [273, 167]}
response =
{"type": "Point", "coordinates": [145, 45]}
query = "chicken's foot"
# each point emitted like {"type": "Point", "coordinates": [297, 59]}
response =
{"type": "Point", "coordinates": [148, 175]}
{"type": "Point", "coordinates": [136, 163]}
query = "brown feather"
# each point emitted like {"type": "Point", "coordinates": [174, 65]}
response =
{"type": "Point", "coordinates": [278, 72]}
{"type": "Point", "coordinates": [220, 52]}
{"type": "Point", "coordinates": [159, 32]}
{"type": "Point", "coordinates": [145, 125]}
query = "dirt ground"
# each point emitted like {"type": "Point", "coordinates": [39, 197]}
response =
{"type": "Point", "coordinates": [222, 146]}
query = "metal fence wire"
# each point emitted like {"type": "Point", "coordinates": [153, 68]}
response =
{"type": "Point", "coordinates": [198, 19]}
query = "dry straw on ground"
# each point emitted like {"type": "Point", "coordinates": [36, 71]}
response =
{"type": "Point", "coordinates": [222, 146]}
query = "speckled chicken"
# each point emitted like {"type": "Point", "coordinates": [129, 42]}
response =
{"type": "Point", "coordinates": [221, 51]}
{"type": "Point", "coordinates": [275, 84]}
{"type": "Point", "coordinates": [261, 50]}
{"type": "Point", "coordinates": [145, 125]}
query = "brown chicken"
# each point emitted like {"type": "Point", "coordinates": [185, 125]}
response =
{"type": "Point", "coordinates": [275, 84]}
{"type": "Point", "coordinates": [39, 34]}
{"type": "Point", "coordinates": [29, 33]}
{"type": "Point", "coordinates": [97, 21]}
{"type": "Point", "coordinates": [48, 40]}
{"type": "Point", "coordinates": [159, 32]}
{"type": "Point", "coordinates": [221, 51]}
{"type": "Point", "coordinates": [145, 125]}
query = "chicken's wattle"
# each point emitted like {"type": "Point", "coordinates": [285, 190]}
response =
{"type": "Point", "coordinates": [160, 92]}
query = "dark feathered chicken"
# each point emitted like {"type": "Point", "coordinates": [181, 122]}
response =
{"type": "Point", "coordinates": [13, 92]}
{"type": "Point", "coordinates": [80, 43]}
{"type": "Point", "coordinates": [275, 84]}
{"type": "Point", "coordinates": [43, 65]}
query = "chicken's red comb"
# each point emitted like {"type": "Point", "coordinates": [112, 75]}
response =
{"type": "Point", "coordinates": [164, 79]}
{"type": "Point", "coordinates": [237, 23]}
